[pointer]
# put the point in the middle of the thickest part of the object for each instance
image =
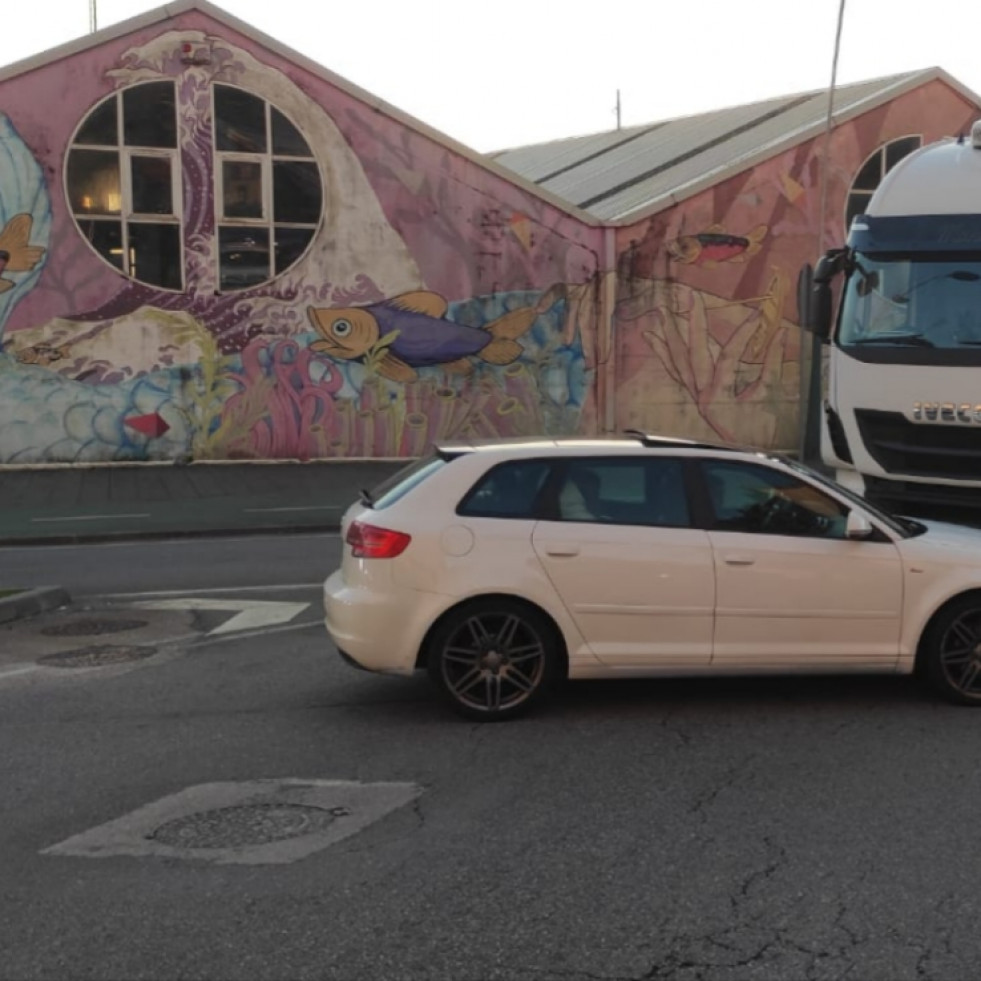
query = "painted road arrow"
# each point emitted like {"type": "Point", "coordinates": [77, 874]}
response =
{"type": "Point", "coordinates": [251, 614]}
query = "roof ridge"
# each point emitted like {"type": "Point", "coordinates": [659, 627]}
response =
{"type": "Point", "coordinates": [808, 93]}
{"type": "Point", "coordinates": [695, 151]}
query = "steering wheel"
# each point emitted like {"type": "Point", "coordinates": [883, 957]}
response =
{"type": "Point", "coordinates": [779, 514]}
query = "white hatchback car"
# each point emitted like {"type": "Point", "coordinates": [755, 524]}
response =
{"type": "Point", "coordinates": [504, 567]}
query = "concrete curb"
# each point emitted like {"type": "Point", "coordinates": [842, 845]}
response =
{"type": "Point", "coordinates": [31, 602]}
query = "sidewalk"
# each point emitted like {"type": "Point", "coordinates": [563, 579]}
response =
{"type": "Point", "coordinates": [60, 505]}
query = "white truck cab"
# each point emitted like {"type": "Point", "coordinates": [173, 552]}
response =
{"type": "Point", "coordinates": [902, 409]}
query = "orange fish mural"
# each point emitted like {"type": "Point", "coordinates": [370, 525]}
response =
{"type": "Point", "coordinates": [716, 245]}
{"type": "Point", "coordinates": [411, 331]}
{"type": "Point", "coordinates": [16, 254]}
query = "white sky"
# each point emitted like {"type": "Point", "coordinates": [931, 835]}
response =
{"type": "Point", "coordinates": [501, 73]}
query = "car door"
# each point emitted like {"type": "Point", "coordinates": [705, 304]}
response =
{"type": "Point", "coordinates": [791, 589]}
{"type": "Point", "coordinates": [620, 550]}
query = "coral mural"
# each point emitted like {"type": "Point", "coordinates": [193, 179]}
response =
{"type": "Point", "coordinates": [346, 352]}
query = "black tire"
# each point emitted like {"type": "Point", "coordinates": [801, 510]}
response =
{"type": "Point", "coordinates": [493, 659]}
{"type": "Point", "coordinates": [950, 658]}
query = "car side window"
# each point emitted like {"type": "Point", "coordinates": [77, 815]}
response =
{"type": "Point", "coordinates": [509, 490]}
{"type": "Point", "coordinates": [628, 491]}
{"type": "Point", "coordinates": [762, 500]}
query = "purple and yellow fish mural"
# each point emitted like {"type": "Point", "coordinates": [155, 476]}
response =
{"type": "Point", "coordinates": [411, 331]}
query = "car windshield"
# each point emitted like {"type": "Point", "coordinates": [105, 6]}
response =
{"type": "Point", "coordinates": [929, 300]}
{"type": "Point", "coordinates": [904, 527]}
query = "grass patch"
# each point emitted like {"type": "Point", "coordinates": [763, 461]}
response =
{"type": "Point", "coordinates": [9, 592]}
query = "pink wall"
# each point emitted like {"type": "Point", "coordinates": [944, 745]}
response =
{"type": "Point", "coordinates": [706, 328]}
{"type": "Point", "coordinates": [490, 342]}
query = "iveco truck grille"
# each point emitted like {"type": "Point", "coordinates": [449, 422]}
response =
{"type": "Point", "coordinates": [919, 449]}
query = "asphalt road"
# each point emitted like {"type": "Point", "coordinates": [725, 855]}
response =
{"type": "Point", "coordinates": [688, 830]}
{"type": "Point", "coordinates": [180, 564]}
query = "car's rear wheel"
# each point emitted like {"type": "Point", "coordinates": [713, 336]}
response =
{"type": "Point", "coordinates": [493, 658]}
{"type": "Point", "coordinates": [951, 656]}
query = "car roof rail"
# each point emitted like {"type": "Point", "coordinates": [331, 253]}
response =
{"type": "Point", "coordinates": [654, 440]}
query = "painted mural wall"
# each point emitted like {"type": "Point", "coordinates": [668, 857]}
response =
{"type": "Point", "coordinates": [284, 273]}
{"type": "Point", "coordinates": [707, 340]}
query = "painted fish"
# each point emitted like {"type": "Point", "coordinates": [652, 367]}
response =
{"type": "Point", "coordinates": [411, 331]}
{"type": "Point", "coordinates": [42, 354]}
{"type": "Point", "coordinates": [16, 255]}
{"type": "Point", "coordinates": [716, 245]}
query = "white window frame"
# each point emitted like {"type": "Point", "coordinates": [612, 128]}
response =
{"type": "Point", "coordinates": [267, 160]}
{"type": "Point", "coordinates": [127, 215]}
{"type": "Point", "coordinates": [879, 152]}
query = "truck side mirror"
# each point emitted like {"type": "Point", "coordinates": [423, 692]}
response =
{"type": "Point", "coordinates": [821, 310]}
{"type": "Point", "coordinates": [813, 303]}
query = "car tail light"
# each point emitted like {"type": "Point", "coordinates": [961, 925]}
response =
{"type": "Point", "coordinates": [369, 542]}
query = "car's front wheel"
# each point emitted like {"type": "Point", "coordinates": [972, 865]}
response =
{"type": "Point", "coordinates": [493, 658]}
{"type": "Point", "coordinates": [951, 655]}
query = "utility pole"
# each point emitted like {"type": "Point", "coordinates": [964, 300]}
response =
{"type": "Point", "coordinates": [812, 354]}
{"type": "Point", "coordinates": [93, 25]}
{"type": "Point", "coordinates": [618, 101]}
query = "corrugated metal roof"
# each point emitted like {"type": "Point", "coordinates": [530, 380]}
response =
{"type": "Point", "coordinates": [614, 174]}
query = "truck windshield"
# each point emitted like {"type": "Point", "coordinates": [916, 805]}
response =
{"type": "Point", "coordinates": [912, 299]}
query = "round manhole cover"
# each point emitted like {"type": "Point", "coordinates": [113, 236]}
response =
{"type": "Point", "coordinates": [96, 656]}
{"type": "Point", "coordinates": [243, 825]}
{"type": "Point", "coordinates": [91, 627]}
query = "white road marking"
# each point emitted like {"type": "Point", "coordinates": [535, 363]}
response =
{"type": "Point", "coordinates": [162, 593]}
{"type": "Point", "coordinates": [312, 507]}
{"type": "Point", "coordinates": [251, 614]}
{"type": "Point", "coordinates": [25, 669]}
{"type": "Point", "coordinates": [210, 639]}
{"type": "Point", "coordinates": [91, 517]}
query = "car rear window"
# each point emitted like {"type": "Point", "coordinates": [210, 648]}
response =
{"type": "Point", "coordinates": [509, 490]}
{"type": "Point", "coordinates": [394, 488]}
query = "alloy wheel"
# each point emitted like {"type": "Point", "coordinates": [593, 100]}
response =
{"type": "Point", "coordinates": [493, 662]}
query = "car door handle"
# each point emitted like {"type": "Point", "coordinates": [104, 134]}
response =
{"type": "Point", "coordinates": [564, 550]}
{"type": "Point", "coordinates": [736, 559]}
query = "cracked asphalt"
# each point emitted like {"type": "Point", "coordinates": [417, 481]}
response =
{"type": "Point", "coordinates": [712, 830]}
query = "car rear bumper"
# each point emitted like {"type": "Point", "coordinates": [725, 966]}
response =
{"type": "Point", "coordinates": [378, 630]}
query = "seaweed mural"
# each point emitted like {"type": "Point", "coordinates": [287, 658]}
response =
{"type": "Point", "coordinates": [723, 354]}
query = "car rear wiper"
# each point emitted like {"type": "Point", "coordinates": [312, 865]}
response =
{"type": "Point", "coordinates": [910, 340]}
{"type": "Point", "coordinates": [365, 497]}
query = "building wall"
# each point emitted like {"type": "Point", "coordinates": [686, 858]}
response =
{"type": "Point", "coordinates": [707, 339]}
{"type": "Point", "coordinates": [471, 307]}
{"type": "Point", "coordinates": [473, 302]}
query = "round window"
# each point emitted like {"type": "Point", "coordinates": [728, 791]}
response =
{"type": "Point", "coordinates": [123, 183]}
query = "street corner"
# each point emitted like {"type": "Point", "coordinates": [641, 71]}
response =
{"type": "Point", "coordinates": [81, 636]}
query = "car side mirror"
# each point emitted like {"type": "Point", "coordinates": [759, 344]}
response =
{"type": "Point", "coordinates": [857, 526]}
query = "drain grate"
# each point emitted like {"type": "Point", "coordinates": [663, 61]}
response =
{"type": "Point", "coordinates": [91, 627]}
{"type": "Point", "coordinates": [96, 656]}
{"type": "Point", "coordinates": [245, 825]}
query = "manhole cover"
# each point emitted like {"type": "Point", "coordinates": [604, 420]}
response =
{"type": "Point", "coordinates": [245, 825]}
{"type": "Point", "coordinates": [91, 627]}
{"type": "Point", "coordinates": [96, 656]}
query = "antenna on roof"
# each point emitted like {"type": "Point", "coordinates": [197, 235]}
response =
{"type": "Point", "coordinates": [618, 102]}
{"type": "Point", "coordinates": [93, 26]}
